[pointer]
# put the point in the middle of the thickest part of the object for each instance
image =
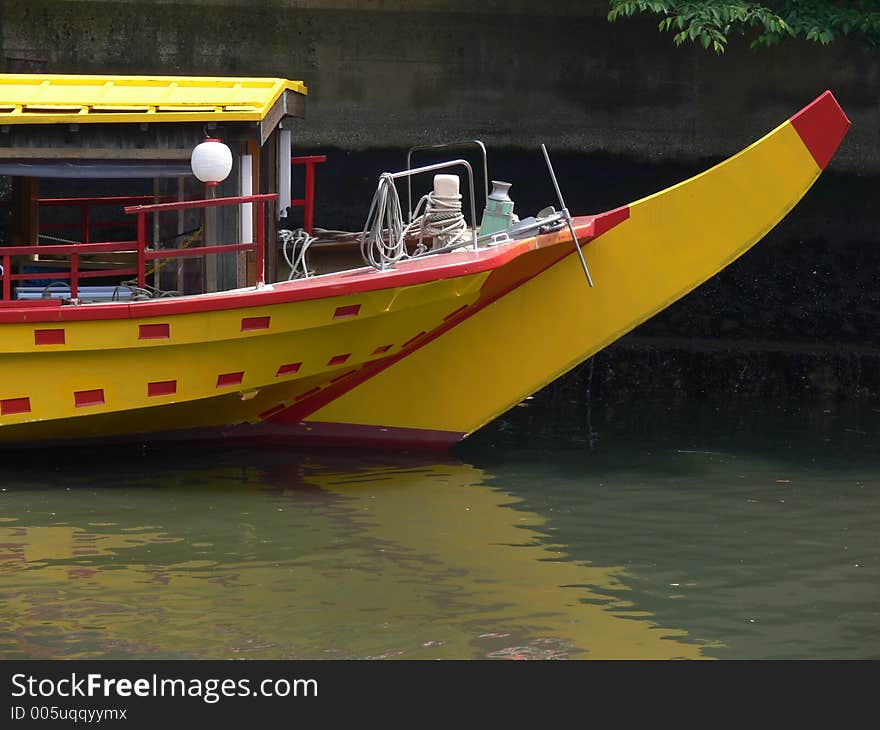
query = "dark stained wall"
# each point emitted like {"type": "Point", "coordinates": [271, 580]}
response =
{"type": "Point", "coordinates": [515, 73]}
{"type": "Point", "coordinates": [623, 111]}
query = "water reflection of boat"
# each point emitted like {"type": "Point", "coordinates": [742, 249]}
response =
{"type": "Point", "coordinates": [314, 561]}
{"type": "Point", "coordinates": [501, 568]}
{"type": "Point", "coordinates": [385, 350]}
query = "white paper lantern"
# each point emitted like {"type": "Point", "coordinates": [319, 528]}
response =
{"type": "Point", "coordinates": [211, 161]}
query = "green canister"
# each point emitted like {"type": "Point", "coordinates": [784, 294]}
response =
{"type": "Point", "coordinates": [498, 213]}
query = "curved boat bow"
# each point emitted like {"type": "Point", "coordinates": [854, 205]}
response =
{"type": "Point", "coordinates": [419, 355]}
{"type": "Point", "coordinates": [643, 258]}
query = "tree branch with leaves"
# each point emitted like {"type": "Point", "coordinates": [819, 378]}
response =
{"type": "Point", "coordinates": [712, 22]}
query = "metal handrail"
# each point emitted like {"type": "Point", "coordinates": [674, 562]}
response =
{"type": "Point", "coordinates": [447, 145]}
{"type": "Point", "coordinates": [409, 172]}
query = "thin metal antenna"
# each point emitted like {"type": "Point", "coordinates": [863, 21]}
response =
{"type": "Point", "coordinates": [577, 245]}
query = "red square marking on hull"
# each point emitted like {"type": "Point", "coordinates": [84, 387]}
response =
{"type": "Point", "coordinates": [248, 324]}
{"type": "Point", "coordinates": [351, 310]}
{"type": "Point", "coordinates": [154, 331]}
{"type": "Point", "coordinates": [48, 337]}
{"type": "Point", "coordinates": [338, 359]}
{"type": "Point", "coordinates": [83, 398]}
{"type": "Point", "coordinates": [289, 368]}
{"type": "Point", "coordinates": [380, 350]}
{"type": "Point", "coordinates": [230, 379]}
{"type": "Point", "coordinates": [161, 387]}
{"type": "Point", "coordinates": [15, 405]}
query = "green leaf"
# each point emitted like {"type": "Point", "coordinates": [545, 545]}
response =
{"type": "Point", "coordinates": [763, 22]}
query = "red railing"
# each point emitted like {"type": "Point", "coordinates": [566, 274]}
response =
{"type": "Point", "coordinates": [85, 246]}
{"type": "Point", "coordinates": [307, 203]}
{"type": "Point", "coordinates": [85, 223]}
{"type": "Point", "coordinates": [258, 246]}
{"type": "Point", "coordinates": [74, 251]}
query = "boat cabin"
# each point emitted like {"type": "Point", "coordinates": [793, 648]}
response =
{"type": "Point", "coordinates": [98, 196]}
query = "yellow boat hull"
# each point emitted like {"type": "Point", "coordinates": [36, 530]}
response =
{"type": "Point", "coordinates": [670, 243]}
{"type": "Point", "coordinates": [422, 355]}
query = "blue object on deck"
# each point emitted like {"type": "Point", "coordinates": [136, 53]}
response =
{"type": "Point", "coordinates": [85, 293]}
{"type": "Point", "coordinates": [36, 281]}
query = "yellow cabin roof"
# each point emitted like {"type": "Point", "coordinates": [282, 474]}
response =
{"type": "Point", "coordinates": [64, 99]}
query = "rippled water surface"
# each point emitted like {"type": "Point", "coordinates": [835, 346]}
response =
{"type": "Point", "coordinates": [644, 531]}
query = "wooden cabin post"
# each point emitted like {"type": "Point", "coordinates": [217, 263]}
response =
{"type": "Point", "coordinates": [25, 211]}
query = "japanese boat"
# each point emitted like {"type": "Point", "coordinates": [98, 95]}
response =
{"type": "Point", "coordinates": [210, 319]}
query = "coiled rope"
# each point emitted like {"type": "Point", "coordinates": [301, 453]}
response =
{"type": "Point", "coordinates": [442, 221]}
{"type": "Point", "coordinates": [382, 242]}
{"type": "Point", "coordinates": [384, 237]}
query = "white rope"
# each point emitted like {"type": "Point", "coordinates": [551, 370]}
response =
{"type": "Point", "coordinates": [143, 293]}
{"type": "Point", "coordinates": [442, 221]}
{"type": "Point", "coordinates": [296, 259]}
{"type": "Point", "coordinates": [383, 240]}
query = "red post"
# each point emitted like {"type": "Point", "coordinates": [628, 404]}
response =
{"type": "Point", "coordinates": [309, 212]}
{"type": "Point", "coordinates": [261, 243]}
{"type": "Point", "coordinates": [84, 223]}
{"type": "Point", "coordinates": [142, 249]}
{"type": "Point", "coordinates": [308, 200]}
{"type": "Point", "coordinates": [7, 282]}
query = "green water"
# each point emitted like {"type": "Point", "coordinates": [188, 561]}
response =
{"type": "Point", "coordinates": [649, 530]}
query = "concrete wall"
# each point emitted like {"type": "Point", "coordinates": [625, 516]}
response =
{"type": "Point", "coordinates": [393, 73]}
